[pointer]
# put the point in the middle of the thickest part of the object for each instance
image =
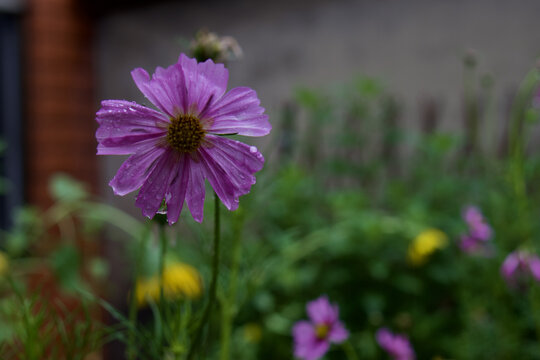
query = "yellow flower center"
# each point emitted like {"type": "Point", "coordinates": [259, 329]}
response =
{"type": "Point", "coordinates": [185, 133]}
{"type": "Point", "coordinates": [321, 331]}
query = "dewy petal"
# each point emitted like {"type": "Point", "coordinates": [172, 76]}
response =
{"type": "Point", "coordinates": [238, 112]}
{"type": "Point", "coordinates": [195, 191]}
{"type": "Point", "coordinates": [155, 90]}
{"type": "Point", "coordinates": [176, 193]}
{"type": "Point", "coordinates": [128, 145]}
{"type": "Point", "coordinates": [135, 170]}
{"type": "Point", "coordinates": [321, 312]}
{"type": "Point", "coordinates": [205, 82]}
{"type": "Point", "coordinates": [239, 161]}
{"type": "Point", "coordinates": [229, 167]}
{"type": "Point", "coordinates": [154, 188]}
{"type": "Point", "coordinates": [219, 179]}
{"type": "Point", "coordinates": [338, 333]}
{"type": "Point", "coordinates": [173, 81]}
{"type": "Point", "coordinates": [125, 127]}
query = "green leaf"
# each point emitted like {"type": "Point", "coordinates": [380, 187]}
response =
{"type": "Point", "coordinates": [99, 268]}
{"type": "Point", "coordinates": [28, 226]}
{"type": "Point", "coordinates": [66, 264]}
{"type": "Point", "coordinates": [64, 188]}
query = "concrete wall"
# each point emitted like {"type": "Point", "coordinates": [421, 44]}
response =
{"type": "Point", "coordinates": [415, 46]}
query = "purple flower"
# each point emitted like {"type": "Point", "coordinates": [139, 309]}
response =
{"type": "Point", "coordinates": [477, 226]}
{"type": "Point", "coordinates": [175, 149]}
{"type": "Point", "coordinates": [519, 266]}
{"type": "Point", "coordinates": [312, 338]}
{"type": "Point", "coordinates": [478, 235]}
{"type": "Point", "coordinates": [396, 345]}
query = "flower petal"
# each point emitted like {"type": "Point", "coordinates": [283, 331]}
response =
{"type": "Point", "coordinates": [338, 333]}
{"type": "Point", "coordinates": [195, 191]}
{"type": "Point", "coordinates": [155, 90]}
{"type": "Point", "coordinates": [306, 344]}
{"type": "Point", "coordinates": [238, 112]}
{"type": "Point", "coordinates": [135, 170]}
{"type": "Point", "coordinates": [510, 265]}
{"type": "Point", "coordinates": [534, 267]}
{"type": "Point", "coordinates": [311, 351]}
{"type": "Point", "coordinates": [219, 179]}
{"type": "Point", "coordinates": [125, 127]}
{"type": "Point", "coordinates": [205, 82]}
{"type": "Point", "coordinates": [320, 311]}
{"type": "Point", "coordinates": [173, 83]}
{"type": "Point", "coordinates": [318, 350]}
{"type": "Point", "coordinates": [229, 167]}
{"type": "Point", "coordinates": [384, 338]}
{"type": "Point", "coordinates": [239, 160]}
{"type": "Point", "coordinates": [128, 145]}
{"type": "Point", "coordinates": [176, 193]}
{"type": "Point", "coordinates": [303, 332]}
{"type": "Point", "coordinates": [154, 188]}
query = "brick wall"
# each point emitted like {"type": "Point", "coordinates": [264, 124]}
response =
{"type": "Point", "coordinates": [59, 103]}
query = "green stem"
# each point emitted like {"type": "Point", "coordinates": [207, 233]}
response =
{"type": "Point", "coordinates": [229, 303]}
{"type": "Point", "coordinates": [131, 348]}
{"type": "Point", "coordinates": [162, 254]}
{"type": "Point", "coordinates": [213, 284]}
{"type": "Point", "coordinates": [349, 351]}
{"type": "Point", "coordinates": [517, 147]}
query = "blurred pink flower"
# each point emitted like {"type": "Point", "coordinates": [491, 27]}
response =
{"type": "Point", "coordinates": [396, 345]}
{"type": "Point", "coordinates": [478, 235]}
{"type": "Point", "coordinates": [312, 338]}
{"type": "Point", "coordinates": [477, 226]}
{"type": "Point", "coordinates": [519, 266]}
{"type": "Point", "coordinates": [175, 149]}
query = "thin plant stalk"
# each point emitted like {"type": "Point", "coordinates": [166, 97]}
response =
{"type": "Point", "coordinates": [163, 252]}
{"type": "Point", "coordinates": [131, 348]}
{"type": "Point", "coordinates": [229, 303]}
{"type": "Point", "coordinates": [213, 284]}
{"type": "Point", "coordinates": [517, 146]}
{"type": "Point", "coordinates": [349, 351]}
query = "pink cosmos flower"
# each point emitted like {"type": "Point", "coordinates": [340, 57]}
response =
{"type": "Point", "coordinates": [312, 338]}
{"type": "Point", "coordinates": [519, 266]}
{"type": "Point", "coordinates": [396, 345]}
{"type": "Point", "coordinates": [478, 235]}
{"type": "Point", "coordinates": [175, 149]}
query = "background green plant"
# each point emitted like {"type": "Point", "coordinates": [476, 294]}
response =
{"type": "Point", "coordinates": [345, 191]}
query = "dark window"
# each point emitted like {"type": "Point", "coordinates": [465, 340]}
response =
{"type": "Point", "coordinates": [11, 156]}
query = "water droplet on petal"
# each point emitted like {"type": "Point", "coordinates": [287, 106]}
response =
{"type": "Point", "coordinates": [252, 149]}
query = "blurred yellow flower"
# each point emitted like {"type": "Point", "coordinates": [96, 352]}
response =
{"type": "Point", "coordinates": [179, 280]}
{"type": "Point", "coordinates": [4, 263]}
{"type": "Point", "coordinates": [252, 333]}
{"type": "Point", "coordinates": [425, 244]}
